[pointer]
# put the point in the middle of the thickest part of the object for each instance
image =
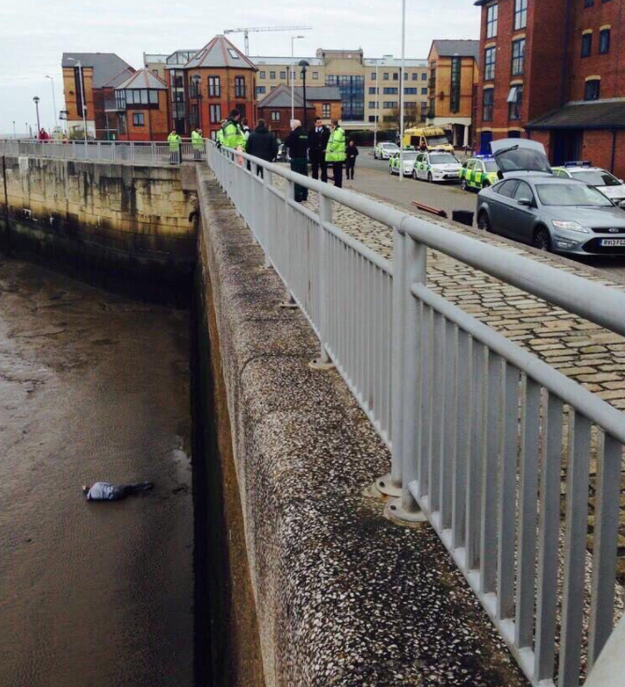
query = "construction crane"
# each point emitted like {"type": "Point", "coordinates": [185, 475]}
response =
{"type": "Point", "coordinates": [263, 29]}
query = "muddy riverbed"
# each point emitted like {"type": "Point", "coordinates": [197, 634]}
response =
{"type": "Point", "coordinates": [92, 387]}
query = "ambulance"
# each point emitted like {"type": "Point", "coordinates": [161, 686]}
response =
{"type": "Point", "coordinates": [428, 139]}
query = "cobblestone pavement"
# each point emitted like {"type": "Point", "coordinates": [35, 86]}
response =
{"type": "Point", "coordinates": [581, 350]}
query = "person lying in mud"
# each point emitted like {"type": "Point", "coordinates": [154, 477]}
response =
{"type": "Point", "coordinates": [104, 491]}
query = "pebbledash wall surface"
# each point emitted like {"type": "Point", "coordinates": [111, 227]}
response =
{"type": "Point", "coordinates": [124, 220]}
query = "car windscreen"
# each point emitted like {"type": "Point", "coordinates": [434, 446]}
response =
{"type": "Point", "coordinates": [522, 159]}
{"type": "Point", "coordinates": [571, 195]}
{"type": "Point", "coordinates": [390, 146]}
{"type": "Point", "coordinates": [491, 166]}
{"type": "Point", "coordinates": [437, 141]}
{"type": "Point", "coordinates": [443, 159]}
{"type": "Point", "coordinates": [596, 178]}
{"type": "Point", "coordinates": [409, 156]}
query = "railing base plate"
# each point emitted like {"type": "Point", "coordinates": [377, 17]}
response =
{"type": "Point", "coordinates": [319, 364]}
{"type": "Point", "coordinates": [395, 512]}
{"type": "Point", "coordinates": [289, 304]}
{"type": "Point", "coordinates": [386, 487]}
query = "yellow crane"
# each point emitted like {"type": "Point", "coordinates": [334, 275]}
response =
{"type": "Point", "coordinates": [263, 29]}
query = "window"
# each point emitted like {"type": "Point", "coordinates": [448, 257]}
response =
{"type": "Point", "coordinates": [214, 113]}
{"type": "Point", "coordinates": [372, 118]}
{"type": "Point", "coordinates": [272, 75]}
{"type": "Point", "coordinates": [239, 87]}
{"type": "Point", "coordinates": [410, 91]}
{"type": "Point", "coordinates": [260, 90]}
{"type": "Point", "coordinates": [587, 44]}
{"type": "Point", "coordinates": [604, 42]}
{"type": "Point", "coordinates": [508, 188]}
{"type": "Point", "coordinates": [372, 90]}
{"type": "Point", "coordinates": [386, 76]}
{"type": "Point", "coordinates": [121, 123]}
{"type": "Point", "coordinates": [261, 75]}
{"type": "Point", "coordinates": [405, 76]}
{"type": "Point", "coordinates": [325, 110]}
{"type": "Point", "coordinates": [589, 3]}
{"type": "Point", "coordinates": [491, 20]}
{"type": "Point", "coordinates": [395, 76]}
{"type": "Point", "coordinates": [372, 105]}
{"type": "Point", "coordinates": [373, 76]}
{"type": "Point", "coordinates": [515, 101]}
{"type": "Point", "coordinates": [456, 71]}
{"type": "Point", "coordinates": [489, 64]}
{"type": "Point", "coordinates": [283, 75]}
{"type": "Point", "coordinates": [275, 115]}
{"type": "Point", "coordinates": [389, 104]}
{"type": "Point", "coordinates": [214, 87]}
{"type": "Point", "coordinates": [518, 57]}
{"type": "Point", "coordinates": [153, 97]}
{"type": "Point", "coordinates": [424, 77]}
{"type": "Point", "coordinates": [592, 90]}
{"type": "Point", "coordinates": [424, 91]}
{"type": "Point", "coordinates": [138, 119]}
{"type": "Point", "coordinates": [233, 54]}
{"type": "Point", "coordinates": [390, 91]}
{"type": "Point", "coordinates": [415, 76]}
{"type": "Point", "coordinates": [520, 14]}
{"type": "Point", "coordinates": [488, 105]}
{"type": "Point", "coordinates": [315, 76]}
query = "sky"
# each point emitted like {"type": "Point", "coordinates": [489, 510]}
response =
{"type": "Point", "coordinates": [35, 33]}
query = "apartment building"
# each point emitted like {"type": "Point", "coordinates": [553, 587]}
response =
{"type": "Point", "coordinates": [89, 81]}
{"type": "Point", "coordinates": [142, 108]}
{"type": "Point", "coordinates": [368, 87]}
{"type": "Point", "coordinates": [453, 79]}
{"type": "Point", "coordinates": [551, 70]}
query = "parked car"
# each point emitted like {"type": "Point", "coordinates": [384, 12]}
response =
{"type": "Point", "coordinates": [479, 172]}
{"type": "Point", "coordinates": [410, 158]}
{"type": "Point", "coordinates": [607, 183]}
{"type": "Point", "coordinates": [437, 167]}
{"type": "Point", "coordinates": [384, 150]}
{"type": "Point", "coordinates": [557, 214]}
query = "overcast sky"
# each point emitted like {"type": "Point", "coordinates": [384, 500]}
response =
{"type": "Point", "coordinates": [34, 34]}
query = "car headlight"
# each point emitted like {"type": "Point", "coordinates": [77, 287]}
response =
{"type": "Point", "coordinates": [572, 226]}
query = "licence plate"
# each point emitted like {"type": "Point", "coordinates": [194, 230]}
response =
{"type": "Point", "coordinates": [613, 242]}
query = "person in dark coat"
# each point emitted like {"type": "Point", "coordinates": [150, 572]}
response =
{"type": "Point", "coordinates": [263, 144]}
{"type": "Point", "coordinates": [317, 143]}
{"type": "Point", "coordinates": [352, 153]}
{"type": "Point", "coordinates": [297, 145]}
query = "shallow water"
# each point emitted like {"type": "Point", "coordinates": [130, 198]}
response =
{"type": "Point", "coordinates": [92, 387]}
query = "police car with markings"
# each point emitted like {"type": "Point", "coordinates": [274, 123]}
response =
{"type": "Point", "coordinates": [410, 159]}
{"type": "Point", "coordinates": [437, 167]}
{"type": "Point", "coordinates": [601, 179]}
{"type": "Point", "coordinates": [479, 172]}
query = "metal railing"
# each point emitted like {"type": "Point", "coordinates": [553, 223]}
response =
{"type": "Point", "coordinates": [479, 429]}
{"type": "Point", "coordinates": [122, 152]}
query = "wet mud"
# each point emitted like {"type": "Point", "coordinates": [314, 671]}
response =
{"type": "Point", "coordinates": [92, 387]}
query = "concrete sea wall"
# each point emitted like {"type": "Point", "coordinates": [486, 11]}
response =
{"type": "Point", "coordinates": [122, 219]}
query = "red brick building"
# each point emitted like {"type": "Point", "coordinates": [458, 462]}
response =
{"type": "Point", "coordinates": [551, 70]}
{"type": "Point", "coordinates": [142, 108]}
{"type": "Point", "coordinates": [206, 86]}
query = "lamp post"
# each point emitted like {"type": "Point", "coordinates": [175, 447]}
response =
{"type": "Point", "coordinates": [377, 104]}
{"type": "Point", "coordinates": [293, 39]}
{"type": "Point", "coordinates": [14, 130]}
{"type": "Point", "coordinates": [56, 116]}
{"type": "Point", "coordinates": [303, 64]}
{"type": "Point", "coordinates": [401, 96]}
{"type": "Point", "coordinates": [36, 101]}
{"type": "Point", "coordinates": [82, 95]}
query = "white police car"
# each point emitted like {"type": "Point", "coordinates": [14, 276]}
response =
{"type": "Point", "coordinates": [601, 179]}
{"type": "Point", "coordinates": [385, 150]}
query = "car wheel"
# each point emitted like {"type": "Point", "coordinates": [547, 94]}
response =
{"type": "Point", "coordinates": [542, 240]}
{"type": "Point", "coordinates": [463, 184]}
{"type": "Point", "coordinates": [414, 174]}
{"type": "Point", "coordinates": [483, 222]}
{"type": "Point", "coordinates": [430, 177]}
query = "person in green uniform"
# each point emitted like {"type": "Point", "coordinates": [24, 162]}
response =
{"type": "Point", "coordinates": [297, 145]}
{"type": "Point", "coordinates": [174, 147]}
{"type": "Point", "coordinates": [335, 152]}
{"type": "Point", "coordinates": [197, 141]}
{"type": "Point", "coordinates": [233, 134]}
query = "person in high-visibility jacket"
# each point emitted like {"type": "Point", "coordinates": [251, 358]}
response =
{"type": "Point", "coordinates": [233, 134]}
{"type": "Point", "coordinates": [335, 152]}
{"type": "Point", "coordinates": [197, 141]}
{"type": "Point", "coordinates": [174, 147]}
{"type": "Point", "coordinates": [220, 134]}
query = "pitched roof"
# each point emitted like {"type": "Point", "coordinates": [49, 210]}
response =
{"type": "Point", "coordinates": [319, 92]}
{"type": "Point", "coordinates": [143, 80]}
{"type": "Point", "coordinates": [607, 114]}
{"type": "Point", "coordinates": [220, 53]}
{"type": "Point", "coordinates": [460, 48]}
{"type": "Point", "coordinates": [119, 78]}
{"type": "Point", "coordinates": [281, 97]}
{"type": "Point", "coordinates": [105, 65]}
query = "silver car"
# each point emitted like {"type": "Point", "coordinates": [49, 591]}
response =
{"type": "Point", "coordinates": [531, 205]}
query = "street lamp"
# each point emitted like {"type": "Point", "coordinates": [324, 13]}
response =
{"type": "Point", "coordinates": [196, 79]}
{"type": "Point", "coordinates": [14, 130]}
{"type": "Point", "coordinates": [292, 71]}
{"type": "Point", "coordinates": [36, 101]}
{"type": "Point", "coordinates": [303, 64]}
{"type": "Point", "coordinates": [82, 95]}
{"type": "Point", "coordinates": [56, 118]}
{"type": "Point", "coordinates": [402, 89]}
{"type": "Point", "coordinates": [377, 104]}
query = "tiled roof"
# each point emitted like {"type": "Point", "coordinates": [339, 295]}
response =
{"type": "Point", "coordinates": [143, 80]}
{"type": "Point", "coordinates": [105, 65]}
{"type": "Point", "coordinates": [319, 92]}
{"type": "Point", "coordinates": [119, 78]}
{"type": "Point", "coordinates": [281, 97]}
{"type": "Point", "coordinates": [220, 53]}
{"type": "Point", "coordinates": [460, 48]}
{"type": "Point", "coordinates": [609, 114]}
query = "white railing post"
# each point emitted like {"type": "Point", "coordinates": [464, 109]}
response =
{"type": "Point", "coordinates": [267, 184]}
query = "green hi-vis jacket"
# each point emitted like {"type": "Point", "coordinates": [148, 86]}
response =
{"type": "Point", "coordinates": [233, 135]}
{"type": "Point", "coordinates": [174, 142]}
{"type": "Point", "coordinates": [197, 141]}
{"type": "Point", "coordinates": [335, 151]}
